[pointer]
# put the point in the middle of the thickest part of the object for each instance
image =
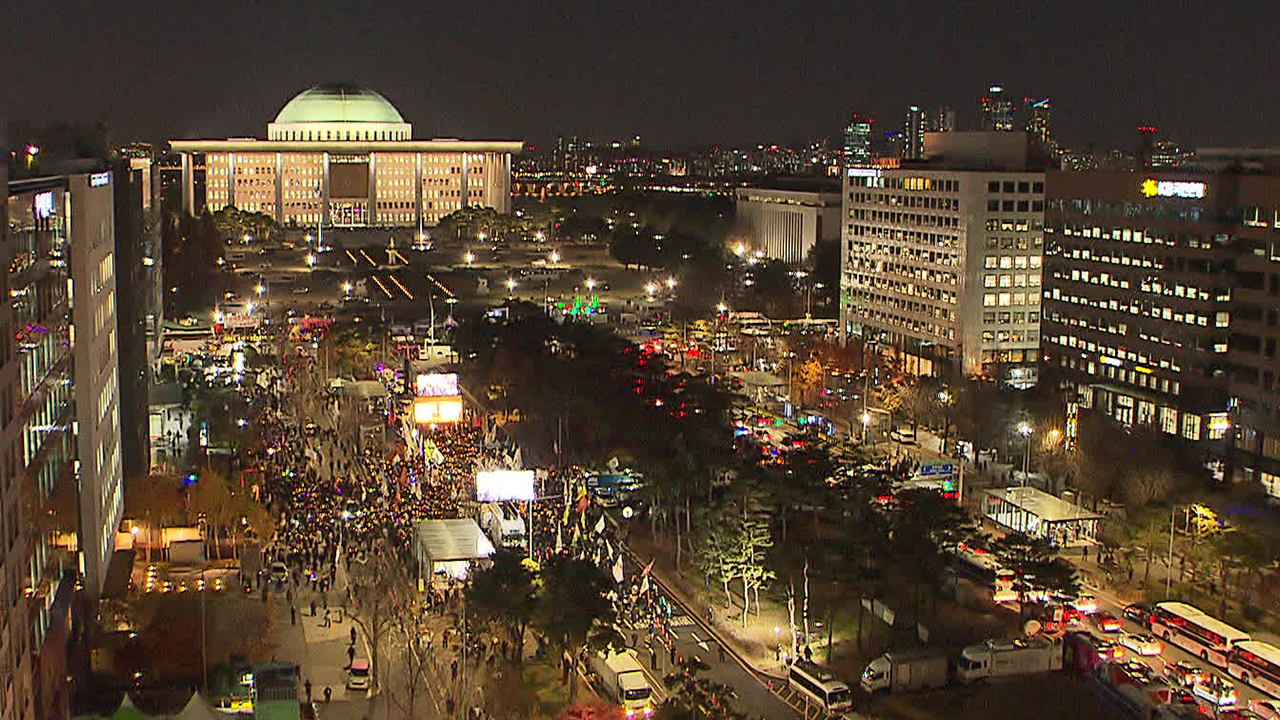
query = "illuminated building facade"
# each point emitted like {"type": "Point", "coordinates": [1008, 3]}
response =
{"type": "Point", "coordinates": [59, 427]}
{"type": "Point", "coordinates": [857, 141]}
{"type": "Point", "coordinates": [342, 155]}
{"type": "Point", "coordinates": [913, 131]}
{"type": "Point", "coordinates": [997, 111]}
{"type": "Point", "coordinates": [785, 224]}
{"type": "Point", "coordinates": [941, 267]}
{"type": "Point", "coordinates": [1160, 298]}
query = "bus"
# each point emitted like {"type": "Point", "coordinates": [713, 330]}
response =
{"type": "Point", "coordinates": [1256, 663]}
{"type": "Point", "coordinates": [820, 686]}
{"type": "Point", "coordinates": [1192, 630]}
{"type": "Point", "coordinates": [982, 567]}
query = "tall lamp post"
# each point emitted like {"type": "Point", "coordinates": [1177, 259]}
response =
{"type": "Point", "coordinates": [1025, 430]}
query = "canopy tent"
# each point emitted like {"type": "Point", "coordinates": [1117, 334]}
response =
{"type": "Point", "coordinates": [128, 711]}
{"type": "Point", "coordinates": [197, 709]}
{"type": "Point", "coordinates": [449, 546]}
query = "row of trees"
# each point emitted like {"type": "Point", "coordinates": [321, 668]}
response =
{"type": "Point", "coordinates": [564, 602]}
{"type": "Point", "coordinates": [229, 510]}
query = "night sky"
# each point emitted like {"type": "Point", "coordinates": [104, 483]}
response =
{"type": "Point", "coordinates": [680, 73]}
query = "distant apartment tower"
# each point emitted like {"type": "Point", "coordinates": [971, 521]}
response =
{"type": "Point", "coordinates": [913, 131]}
{"type": "Point", "coordinates": [857, 141]}
{"type": "Point", "coordinates": [941, 260]}
{"type": "Point", "coordinates": [997, 111]}
{"type": "Point", "coordinates": [785, 224]}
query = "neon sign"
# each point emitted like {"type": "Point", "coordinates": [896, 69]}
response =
{"type": "Point", "coordinates": [1170, 188]}
{"type": "Point", "coordinates": [99, 179]}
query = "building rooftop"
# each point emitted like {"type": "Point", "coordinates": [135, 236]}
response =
{"type": "Point", "coordinates": [338, 102]}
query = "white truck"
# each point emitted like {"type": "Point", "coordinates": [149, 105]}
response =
{"type": "Point", "coordinates": [503, 524]}
{"type": "Point", "coordinates": [1001, 657]}
{"type": "Point", "coordinates": [919, 669]}
{"type": "Point", "coordinates": [622, 677]}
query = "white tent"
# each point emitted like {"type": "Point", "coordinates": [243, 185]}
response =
{"type": "Point", "coordinates": [197, 709]}
{"type": "Point", "coordinates": [449, 546]}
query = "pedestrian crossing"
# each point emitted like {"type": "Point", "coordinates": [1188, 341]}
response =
{"type": "Point", "coordinates": [680, 621]}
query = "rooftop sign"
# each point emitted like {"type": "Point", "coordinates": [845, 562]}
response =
{"type": "Point", "coordinates": [1169, 188]}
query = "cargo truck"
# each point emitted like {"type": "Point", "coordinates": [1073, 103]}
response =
{"type": "Point", "coordinates": [1001, 657]}
{"type": "Point", "coordinates": [625, 680]}
{"type": "Point", "coordinates": [897, 671]}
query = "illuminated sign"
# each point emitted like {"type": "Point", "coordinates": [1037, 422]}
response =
{"type": "Point", "coordinates": [864, 172]}
{"type": "Point", "coordinates": [1109, 361]}
{"type": "Point", "coordinates": [1169, 188]}
{"type": "Point", "coordinates": [437, 384]}
{"type": "Point", "coordinates": [99, 179]}
{"type": "Point", "coordinates": [44, 205]}
{"type": "Point", "coordinates": [433, 410]}
{"type": "Point", "coordinates": [500, 485]}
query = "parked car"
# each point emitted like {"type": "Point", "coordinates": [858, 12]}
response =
{"type": "Point", "coordinates": [1086, 604]}
{"type": "Point", "coordinates": [1218, 693]}
{"type": "Point", "coordinates": [1145, 645]}
{"type": "Point", "coordinates": [279, 573]}
{"type": "Point", "coordinates": [1185, 674]}
{"type": "Point", "coordinates": [358, 675]}
{"type": "Point", "coordinates": [1139, 613]}
{"type": "Point", "coordinates": [1268, 708]}
{"type": "Point", "coordinates": [1107, 622]}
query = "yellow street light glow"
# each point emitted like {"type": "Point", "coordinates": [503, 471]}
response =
{"type": "Point", "coordinates": [470, 257]}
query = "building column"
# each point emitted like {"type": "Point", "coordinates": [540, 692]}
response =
{"type": "Point", "coordinates": [465, 181]}
{"type": "Point", "coordinates": [231, 179]}
{"type": "Point", "coordinates": [324, 193]}
{"type": "Point", "coordinates": [417, 189]}
{"type": "Point", "coordinates": [280, 188]}
{"type": "Point", "coordinates": [371, 218]}
{"type": "Point", "coordinates": [188, 185]}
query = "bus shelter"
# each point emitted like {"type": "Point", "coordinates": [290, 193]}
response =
{"type": "Point", "coordinates": [1038, 514]}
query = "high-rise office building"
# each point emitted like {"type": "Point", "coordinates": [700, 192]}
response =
{"type": "Point", "coordinates": [1146, 146]}
{"type": "Point", "coordinates": [60, 464]}
{"type": "Point", "coordinates": [997, 110]}
{"type": "Point", "coordinates": [1139, 296]}
{"type": "Point", "coordinates": [1039, 126]}
{"type": "Point", "coordinates": [913, 131]}
{"type": "Point", "coordinates": [942, 120]}
{"type": "Point", "coordinates": [940, 260]}
{"type": "Point", "coordinates": [857, 141]}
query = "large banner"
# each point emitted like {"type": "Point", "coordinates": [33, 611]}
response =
{"type": "Point", "coordinates": [499, 485]}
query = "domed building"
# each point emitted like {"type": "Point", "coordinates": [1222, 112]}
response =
{"type": "Point", "coordinates": [341, 155]}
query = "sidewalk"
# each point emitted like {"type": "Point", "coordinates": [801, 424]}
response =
{"type": "Point", "coordinates": [319, 651]}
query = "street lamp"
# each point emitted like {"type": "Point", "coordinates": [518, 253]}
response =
{"type": "Point", "coordinates": [866, 425]}
{"type": "Point", "coordinates": [1025, 430]}
{"type": "Point", "coordinates": [470, 257]}
{"type": "Point", "coordinates": [555, 258]}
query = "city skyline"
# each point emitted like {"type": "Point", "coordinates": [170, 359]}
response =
{"type": "Point", "coordinates": [680, 76]}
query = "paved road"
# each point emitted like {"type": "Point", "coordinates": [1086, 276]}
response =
{"type": "Point", "coordinates": [692, 638]}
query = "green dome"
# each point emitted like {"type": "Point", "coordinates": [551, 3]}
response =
{"type": "Point", "coordinates": [338, 102]}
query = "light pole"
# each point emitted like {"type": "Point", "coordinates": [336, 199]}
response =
{"type": "Point", "coordinates": [1025, 430]}
{"type": "Point", "coordinates": [866, 426]}
{"type": "Point", "coordinates": [511, 287]}
{"type": "Point", "coordinates": [944, 399]}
